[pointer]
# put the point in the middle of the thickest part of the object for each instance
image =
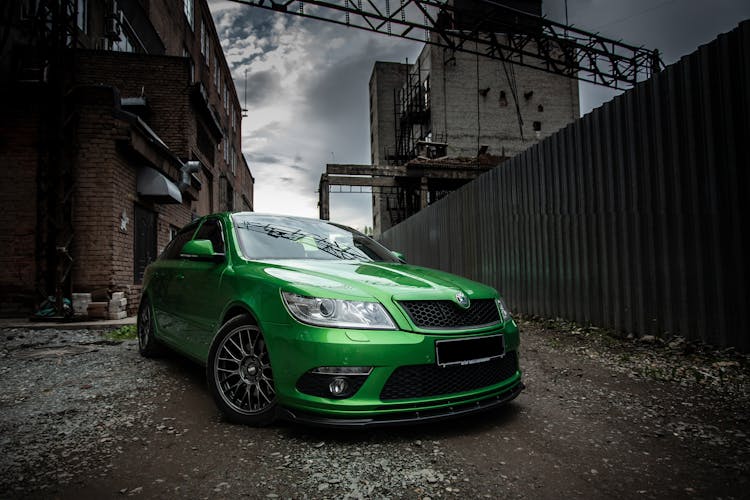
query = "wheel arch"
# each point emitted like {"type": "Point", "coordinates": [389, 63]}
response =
{"type": "Point", "coordinates": [235, 309]}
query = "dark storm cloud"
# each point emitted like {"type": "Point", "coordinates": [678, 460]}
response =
{"type": "Point", "coordinates": [238, 23]}
{"type": "Point", "coordinates": [262, 86]}
{"type": "Point", "coordinates": [265, 158]}
{"type": "Point", "coordinates": [270, 130]}
{"type": "Point", "coordinates": [297, 167]}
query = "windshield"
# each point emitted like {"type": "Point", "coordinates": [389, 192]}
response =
{"type": "Point", "coordinates": [278, 237]}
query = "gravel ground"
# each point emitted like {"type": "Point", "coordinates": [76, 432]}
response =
{"type": "Point", "coordinates": [85, 417]}
{"type": "Point", "coordinates": [69, 399]}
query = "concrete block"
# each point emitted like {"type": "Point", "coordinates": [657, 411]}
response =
{"type": "Point", "coordinates": [116, 305]}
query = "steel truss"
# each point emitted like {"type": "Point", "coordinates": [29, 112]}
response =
{"type": "Point", "coordinates": [493, 30]}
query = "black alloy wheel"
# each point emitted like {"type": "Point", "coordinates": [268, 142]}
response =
{"type": "Point", "coordinates": [239, 373]}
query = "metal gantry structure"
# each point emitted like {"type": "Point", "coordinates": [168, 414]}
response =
{"type": "Point", "coordinates": [488, 28]}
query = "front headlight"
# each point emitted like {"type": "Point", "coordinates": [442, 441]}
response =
{"type": "Point", "coordinates": [338, 313]}
{"type": "Point", "coordinates": [504, 311]}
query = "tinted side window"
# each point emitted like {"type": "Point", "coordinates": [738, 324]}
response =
{"type": "Point", "coordinates": [175, 246]}
{"type": "Point", "coordinates": [211, 230]}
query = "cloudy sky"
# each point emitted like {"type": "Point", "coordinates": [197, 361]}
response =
{"type": "Point", "coordinates": [307, 84]}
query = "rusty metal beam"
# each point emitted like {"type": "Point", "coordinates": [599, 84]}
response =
{"type": "Point", "coordinates": [344, 169]}
{"type": "Point", "coordinates": [493, 30]}
{"type": "Point", "coordinates": [363, 181]}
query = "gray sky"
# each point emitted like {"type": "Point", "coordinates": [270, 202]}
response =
{"type": "Point", "coordinates": [307, 84]}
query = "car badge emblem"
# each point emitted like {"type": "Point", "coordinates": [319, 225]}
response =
{"type": "Point", "coordinates": [462, 300]}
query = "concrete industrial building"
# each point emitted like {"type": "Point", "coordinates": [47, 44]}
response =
{"type": "Point", "coordinates": [120, 123]}
{"type": "Point", "coordinates": [457, 104]}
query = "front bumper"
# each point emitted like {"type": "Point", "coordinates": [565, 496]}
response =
{"type": "Point", "coordinates": [295, 349]}
{"type": "Point", "coordinates": [452, 410]}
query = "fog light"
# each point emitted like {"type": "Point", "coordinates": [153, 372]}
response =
{"type": "Point", "coordinates": [338, 386]}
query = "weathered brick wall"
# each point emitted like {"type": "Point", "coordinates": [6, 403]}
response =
{"type": "Point", "coordinates": [18, 164]}
{"type": "Point", "coordinates": [105, 172]}
{"type": "Point", "coordinates": [96, 161]}
{"type": "Point", "coordinates": [106, 179]}
{"type": "Point", "coordinates": [179, 36]}
{"type": "Point", "coordinates": [163, 80]}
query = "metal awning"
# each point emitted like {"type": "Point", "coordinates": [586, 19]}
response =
{"type": "Point", "coordinates": [156, 187]}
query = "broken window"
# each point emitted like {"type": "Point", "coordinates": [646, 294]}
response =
{"type": "Point", "coordinates": [540, 108]}
{"type": "Point", "coordinates": [503, 99]}
{"type": "Point", "coordinates": [537, 126]}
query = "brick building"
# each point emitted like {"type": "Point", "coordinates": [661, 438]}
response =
{"type": "Point", "coordinates": [119, 123]}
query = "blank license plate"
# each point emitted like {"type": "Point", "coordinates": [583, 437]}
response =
{"type": "Point", "coordinates": [469, 351]}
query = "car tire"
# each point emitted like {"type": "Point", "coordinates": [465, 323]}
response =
{"type": "Point", "coordinates": [148, 346]}
{"type": "Point", "coordinates": [239, 373]}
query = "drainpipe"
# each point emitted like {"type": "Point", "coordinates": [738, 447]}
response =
{"type": "Point", "coordinates": [189, 167]}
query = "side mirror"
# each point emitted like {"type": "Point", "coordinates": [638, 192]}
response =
{"type": "Point", "coordinates": [399, 256]}
{"type": "Point", "coordinates": [201, 250]}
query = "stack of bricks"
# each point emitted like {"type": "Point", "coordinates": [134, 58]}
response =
{"type": "Point", "coordinates": [118, 306]}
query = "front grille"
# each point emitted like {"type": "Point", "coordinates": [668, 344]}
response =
{"type": "Point", "coordinates": [447, 314]}
{"type": "Point", "coordinates": [420, 381]}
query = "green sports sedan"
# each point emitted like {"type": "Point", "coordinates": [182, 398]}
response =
{"type": "Point", "coordinates": [315, 322]}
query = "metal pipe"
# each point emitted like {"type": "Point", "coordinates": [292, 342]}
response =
{"type": "Point", "coordinates": [189, 167]}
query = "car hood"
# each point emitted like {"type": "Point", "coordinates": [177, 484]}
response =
{"type": "Point", "coordinates": [383, 281]}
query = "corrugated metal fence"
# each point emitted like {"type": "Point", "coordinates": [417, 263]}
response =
{"type": "Point", "coordinates": [632, 218]}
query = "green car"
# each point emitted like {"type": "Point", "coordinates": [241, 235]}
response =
{"type": "Point", "coordinates": [315, 322]}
